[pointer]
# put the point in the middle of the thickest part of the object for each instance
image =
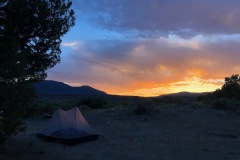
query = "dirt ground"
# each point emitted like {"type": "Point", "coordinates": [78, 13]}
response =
{"type": "Point", "coordinates": [170, 133]}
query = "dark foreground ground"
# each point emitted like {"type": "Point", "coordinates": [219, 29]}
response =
{"type": "Point", "coordinates": [170, 133]}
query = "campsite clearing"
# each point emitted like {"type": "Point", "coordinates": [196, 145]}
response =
{"type": "Point", "coordinates": [173, 132]}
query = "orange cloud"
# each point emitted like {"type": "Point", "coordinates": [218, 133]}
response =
{"type": "Point", "coordinates": [151, 67]}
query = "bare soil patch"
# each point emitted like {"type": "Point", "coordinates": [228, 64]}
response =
{"type": "Point", "coordinates": [173, 132]}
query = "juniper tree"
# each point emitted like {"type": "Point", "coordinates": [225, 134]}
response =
{"type": "Point", "coordinates": [30, 38]}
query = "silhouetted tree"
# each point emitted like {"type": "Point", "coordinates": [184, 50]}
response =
{"type": "Point", "coordinates": [230, 88]}
{"type": "Point", "coordinates": [30, 37]}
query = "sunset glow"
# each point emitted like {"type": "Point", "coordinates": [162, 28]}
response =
{"type": "Point", "coordinates": [117, 48]}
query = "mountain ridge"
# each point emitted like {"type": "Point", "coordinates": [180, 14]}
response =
{"type": "Point", "coordinates": [185, 94]}
{"type": "Point", "coordinates": [51, 87]}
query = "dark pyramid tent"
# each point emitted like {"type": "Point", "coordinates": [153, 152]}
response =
{"type": "Point", "coordinates": [69, 127]}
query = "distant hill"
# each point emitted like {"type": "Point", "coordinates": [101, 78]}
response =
{"type": "Point", "coordinates": [185, 94]}
{"type": "Point", "coordinates": [49, 87]}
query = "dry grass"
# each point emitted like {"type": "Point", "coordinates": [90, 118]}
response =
{"type": "Point", "coordinates": [174, 132]}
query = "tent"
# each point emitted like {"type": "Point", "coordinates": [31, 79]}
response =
{"type": "Point", "coordinates": [68, 127]}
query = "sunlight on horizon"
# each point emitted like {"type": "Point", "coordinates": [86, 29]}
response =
{"type": "Point", "coordinates": [193, 84]}
{"type": "Point", "coordinates": [142, 55]}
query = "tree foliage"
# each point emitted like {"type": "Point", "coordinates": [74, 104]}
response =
{"type": "Point", "coordinates": [34, 29]}
{"type": "Point", "coordinates": [30, 38]}
{"type": "Point", "coordinates": [230, 88]}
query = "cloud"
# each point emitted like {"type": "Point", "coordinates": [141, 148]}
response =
{"type": "Point", "coordinates": [158, 65]}
{"type": "Point", "coordinates": [161, 46]}
{"type": "Point", "coordinates": [185, 18]}
{"type": "Point", "coordinates": [70, 44]}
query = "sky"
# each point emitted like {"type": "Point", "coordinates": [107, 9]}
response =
{"type": "Point", "coordinates": [151, 47]}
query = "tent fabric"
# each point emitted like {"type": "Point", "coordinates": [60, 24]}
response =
{"type": "Point", "coordinates": [69, 127]}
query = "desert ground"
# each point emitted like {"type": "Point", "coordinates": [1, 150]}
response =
{"type": "Point", "coordinates": [175, 132]}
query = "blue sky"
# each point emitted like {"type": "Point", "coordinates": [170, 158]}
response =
{"type": "Point", "coordinates": [151, 47]}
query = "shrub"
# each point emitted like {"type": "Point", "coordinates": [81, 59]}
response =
{"type": "Point", "coordinates": [94, 102]}
{"type": "Point", "coordinates": [143, 108]}
{"type": "Point", "coordinates": [221, 103]}
{"type": "Point", "coordinates": [225, 103]}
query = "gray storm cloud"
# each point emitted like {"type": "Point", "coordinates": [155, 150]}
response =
{"type": "Point", "coordinates": [150, 60]}
{"type": "Point", "coordinates": [166, 43]}
{"type": "Point", "coordinates": [154, 18]}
